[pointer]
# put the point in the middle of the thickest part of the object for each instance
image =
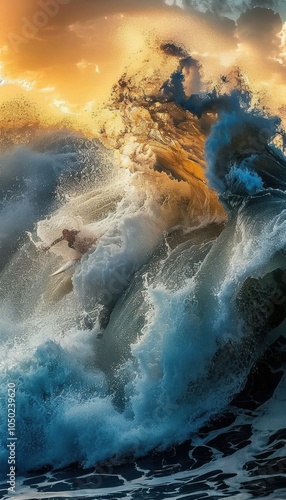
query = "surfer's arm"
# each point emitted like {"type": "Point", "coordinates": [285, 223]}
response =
{"type": "Point", "coordinates": [58, 240]}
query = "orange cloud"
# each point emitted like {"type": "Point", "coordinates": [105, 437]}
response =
{"type": "Point", "coordinates": [48, 39]}
{"type": "Point", "coordinates": [81, 47]}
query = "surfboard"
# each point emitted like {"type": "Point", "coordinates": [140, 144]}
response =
{"type": "Point", "coordinates": [68, 265]}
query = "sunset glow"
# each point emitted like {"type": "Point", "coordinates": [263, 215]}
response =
{"type": "Point", "coordinates": [69, 54]}
{"type": "Point", "coordinates": [143, 249]}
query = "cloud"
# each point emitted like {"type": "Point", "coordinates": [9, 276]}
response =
{"type": "Point", "coordinates": [263, 3]}
{"type": "Point", "coordinates": [30, 15]}
{"type": "Point", "coordinates": [231, 8]}
{"type": "Point", "coordinates": [259, 28]}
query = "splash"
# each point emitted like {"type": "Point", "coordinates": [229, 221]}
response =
{"type": "Point", "coordinates": [151, 334]}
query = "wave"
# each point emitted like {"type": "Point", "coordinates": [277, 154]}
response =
{"type": "Point", "coordinates": [161, 321]}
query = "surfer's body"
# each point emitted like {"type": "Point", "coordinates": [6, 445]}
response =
{"type": "Point", "coordinates": [77, 242]}
{"type": "Point", "coordinates": [67, 235]}
{"type": "Point", "coordinates": [74, 240]}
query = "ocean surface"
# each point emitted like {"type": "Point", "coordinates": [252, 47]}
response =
{"type": "Point", "coordinates": [155, 367]}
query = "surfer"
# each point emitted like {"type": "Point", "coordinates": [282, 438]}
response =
{"type": "Point", "coordinates": [81, 245]}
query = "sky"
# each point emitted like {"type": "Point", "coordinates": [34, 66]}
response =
{"type": "Point", "coordinates": [69, 53]}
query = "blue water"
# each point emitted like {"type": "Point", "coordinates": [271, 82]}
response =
{"type": "Point", "coordinates": [155, 367]}
{"type": "Point", "coordinates": [239, 455]}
